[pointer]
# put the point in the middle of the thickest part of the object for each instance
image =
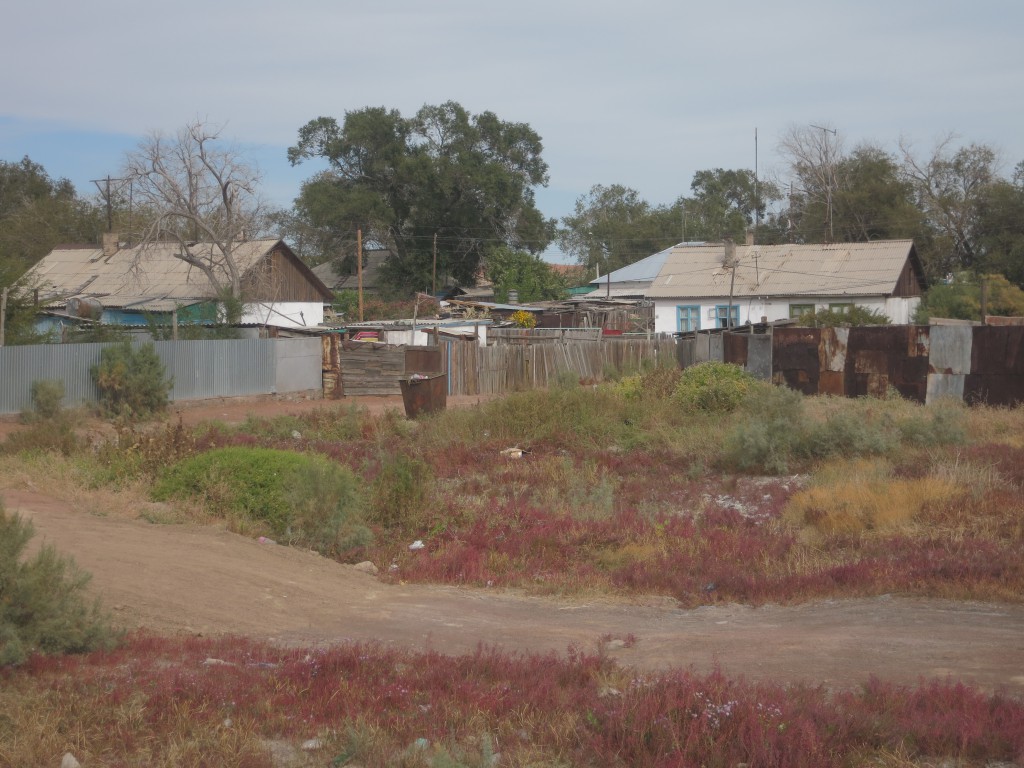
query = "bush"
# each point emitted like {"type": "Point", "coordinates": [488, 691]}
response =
{"type": "Point", "coordinates": [296, 498]}
{"type": "Point", "coordinates": [771, 435]}
{"type": "Point", "coordinates": [42, 606]}
{"type": "Point", "coordinates": [855, 316]}
{"type": "Point", "coordinates": [131, 381]}
{"type": "Point", "coordinates": [713, 387]}
{"type": "Point", "coordinates": [47, 395]}
{"type": "Point", "coordinates": [400, 491]}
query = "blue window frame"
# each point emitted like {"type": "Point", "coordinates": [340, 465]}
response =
{"type": "Point", "coordinates": [688, 318]}
{"type": "Point", "coordinates": [722, 311]}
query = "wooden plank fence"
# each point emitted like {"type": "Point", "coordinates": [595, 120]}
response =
{"type": "Point", "coordinates": [475, 370]}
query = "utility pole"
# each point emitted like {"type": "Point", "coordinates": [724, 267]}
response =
{"type": "Point", "coordinates": [3, 315]}
{"type": "Point", "coordinates": [105, 194]}
{"type": "Point", "coordinates": [830, 235]}
{"type": "Point", "coordinates": [433, 272]}
{"type": "Point", "coordinates": [757, 207]}
{"type": "Point", "coordinates": [359, 269]}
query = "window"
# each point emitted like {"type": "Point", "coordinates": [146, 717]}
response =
{"type": "Point", "coordinates": [796, 310]}
{"type": "Point", "coordinates": [723, 311]}
{"type": "Point", "coordinates": [841, 308]}
{"type": "Point", "coordinates": [688, 318]}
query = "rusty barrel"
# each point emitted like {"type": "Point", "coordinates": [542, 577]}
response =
{"type": "Point", "coordinates": [424, 393]}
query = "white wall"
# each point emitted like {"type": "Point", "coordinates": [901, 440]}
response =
{"type": "Point", "coordinates": [424, 336]}
{"type": "Point", "coordinates": [898, 310]}
{"type": "Point", "coordinates": [284, 314]}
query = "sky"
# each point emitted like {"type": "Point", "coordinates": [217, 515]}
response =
{"type": "Point", "coordinates": [642, 94]}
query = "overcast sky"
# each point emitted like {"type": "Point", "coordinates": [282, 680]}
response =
{"type": "Point", "coordinates": [641, 93]}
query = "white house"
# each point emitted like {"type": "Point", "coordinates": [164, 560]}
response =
{"type": "Point", "coordinates": [125, 285]}
{"type": "Point", "coordinates": [706, 285]}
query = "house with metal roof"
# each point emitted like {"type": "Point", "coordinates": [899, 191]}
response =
{"type": "Point", "coordinates": [632, 280]}
{"type": "Point", "coordinates": [722, 285]}
{"type": "Point", "coordinates": [129, 285]}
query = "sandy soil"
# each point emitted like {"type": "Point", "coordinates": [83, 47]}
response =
{"type": "Point", "coordinates": [200, 580]}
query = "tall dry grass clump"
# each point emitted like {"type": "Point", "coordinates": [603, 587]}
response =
{"type": "Point", "coordinates": [862, 496]}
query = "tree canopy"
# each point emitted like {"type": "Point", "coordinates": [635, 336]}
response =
{"type": "Point", "coordinates": [37, 212]}
{"type": "Point", "coordinates": [465, 181]}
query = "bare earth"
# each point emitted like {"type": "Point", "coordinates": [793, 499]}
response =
{"type": "Point", "coordinates": [200, 580]}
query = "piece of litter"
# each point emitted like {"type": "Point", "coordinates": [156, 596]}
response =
{"type": "Point", "coordinates": [418, 544]}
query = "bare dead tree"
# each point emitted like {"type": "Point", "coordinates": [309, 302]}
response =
{"type": "Point", "coordinates": [813, 152]}
{"type": "Point", "coordinates": [204, 196]}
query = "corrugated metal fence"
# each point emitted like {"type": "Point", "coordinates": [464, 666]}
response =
{"type": "Point", "coordinates": [978, 364]}
{"type": "Point", "coordinates": [199, 369]}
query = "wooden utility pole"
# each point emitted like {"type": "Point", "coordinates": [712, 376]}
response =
{"type": "Point", "coordinates": [3, 315]}
{"type": "Point", "coordinates": [984, 300]}
{"type": "Point", "coordinates": [359, 269]}
{"type": "Point", "coordinates": [433, 273]}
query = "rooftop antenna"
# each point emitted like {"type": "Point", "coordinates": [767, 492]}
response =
{"type": "Point", "coordinates": [757, 206]}
{"type": "Point", "coordinates": [828, 180]}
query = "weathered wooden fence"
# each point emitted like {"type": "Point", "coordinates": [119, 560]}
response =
{"type": "Point", "coordinates": [475, 370]}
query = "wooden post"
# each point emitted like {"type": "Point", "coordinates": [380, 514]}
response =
{"type": "Point", "coordinates": [433, 272]}
{"type": "Point", "coordinates": [3, 316]}
{"type": "Point", "coordinates": [359, 269]}
{"type": "Point", "coordinates": [984, 300]}
{"type": "Point", "coordinates": [174, 324]}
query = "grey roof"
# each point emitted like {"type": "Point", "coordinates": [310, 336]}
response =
{"type": "Point", "coordinates": [835, 269]}
{"type": "Point", "coordinates": [136, 275]}
{"type": "Point", "coordinates": [644, 270]}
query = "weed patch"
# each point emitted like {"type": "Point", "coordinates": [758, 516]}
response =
{"type": "Point", "coordinates": [157, 699]}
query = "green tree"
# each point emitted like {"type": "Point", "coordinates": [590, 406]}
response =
{"type": "Point", "coordinates": [726, 203]}
{"type": "Point", "coordinates": [524, 272]}
{"type": "Point", "coordinates": [949, 186]}
{"type": "Point", "coordinates": [38, 212]}
{"type": "Point", "coordinates": [613, 227]}
{"type": "Point", "coordinates": [466, 180]}
{"type": "Point", "coordinates": [1001, 228]}
{"type": "Point", "coordinates": [847, 197]}
{"type": "Point", "coordinates": [960, 299]}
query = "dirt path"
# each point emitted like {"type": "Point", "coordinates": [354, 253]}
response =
{"type": "Point", "coordinates": [183, 578]}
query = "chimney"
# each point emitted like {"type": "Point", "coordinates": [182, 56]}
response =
{"type": "Point", "coordinates": [750, 237]}
{"type": "Point", "coordinates": [729, 260]}
{"type": "Point", "coordinates": [110, 244]}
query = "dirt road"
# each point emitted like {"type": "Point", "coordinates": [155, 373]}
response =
{"type": "Point", "coordinates": [184, 578]}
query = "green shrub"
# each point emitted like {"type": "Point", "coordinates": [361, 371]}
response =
{"type": "Point", "coordinates": [713, 387]}
{"type": "Point", "coordinates": [400, 491]}
{"type": "Point", "coordinates": [296, 498]}
{"type": "Point", "coordinates": [47, 395]}
{"type": "Point", "coordinates": [941, 424]}
{"type": "Point", "coordinates": [770, 435]}
{"type": "Point", "coordinates": [42, 605]}
{"type": "Point", "coordinates": [855, 316]}
{"type": "Point", "coordinates": [131, 381]}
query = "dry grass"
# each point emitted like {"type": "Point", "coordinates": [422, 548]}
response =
{"type": "Point", "coordinates": [861, 497]}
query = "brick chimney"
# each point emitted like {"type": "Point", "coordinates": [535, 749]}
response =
{"type": "Point", "coordinates": [110, 244]}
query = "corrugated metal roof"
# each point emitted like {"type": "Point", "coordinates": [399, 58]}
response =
{"type": "Point", "coordinates": [835, 269]}
{"type": "Point", "coordinates": [644, 270]}
{"type": "Point", "coordinates": [143, 272]}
